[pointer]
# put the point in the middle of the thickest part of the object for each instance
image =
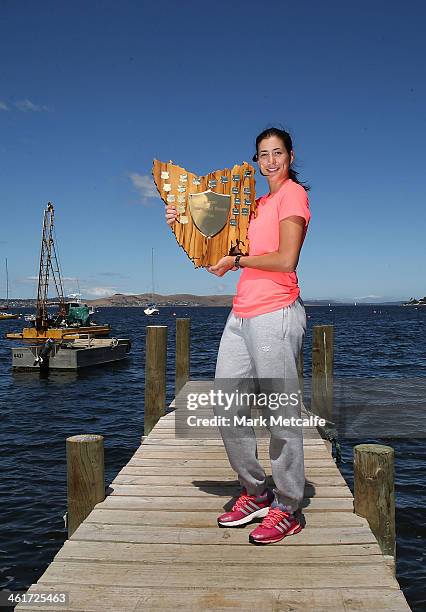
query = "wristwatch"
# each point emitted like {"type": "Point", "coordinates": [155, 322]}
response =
{"type": "Point", "coordinates": [237, 261]}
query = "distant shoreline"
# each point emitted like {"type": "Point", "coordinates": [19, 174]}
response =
{"type": "Point", "coordinates": [187, 300]}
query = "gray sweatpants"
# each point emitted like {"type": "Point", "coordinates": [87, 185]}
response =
{"type": "Point", "coordinates": [264, 348]}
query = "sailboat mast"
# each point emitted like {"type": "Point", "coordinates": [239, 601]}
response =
{"type": "Point", "coordinates": [7, 287]}
{"type": "Point", "coordinates": [152, 275]}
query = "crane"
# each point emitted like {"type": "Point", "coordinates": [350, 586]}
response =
{"type": "Point", "coordinates": [49, 265]}
{"type": "Point", "coordinates": [71, 319]}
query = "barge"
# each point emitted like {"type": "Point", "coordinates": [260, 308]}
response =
{"type": "Point", "coordinates": [70, 354]}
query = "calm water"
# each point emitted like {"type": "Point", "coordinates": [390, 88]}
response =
{"type": "Point", "coordinates": [38, 414]}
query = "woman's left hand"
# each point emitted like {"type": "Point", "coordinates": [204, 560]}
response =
{"type": "Point", "coordinates": [223, 265]}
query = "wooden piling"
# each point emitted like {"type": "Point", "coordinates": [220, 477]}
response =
{"type": "Point", "coordinates": [85, 477]}
{"type": "Point", "coordinates": [183, 327]}
{"type": "Point", "coordinates": [374, 493]}
{"type": "Point", "coordinates": [322, 371]}
{"type": "Point", "coordinates": [155, 375]}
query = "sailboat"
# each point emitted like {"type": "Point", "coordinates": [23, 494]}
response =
{"type": "Point", "coordinates": [152, 309]}
{"type": "Point", "coordinates": [7, 315]}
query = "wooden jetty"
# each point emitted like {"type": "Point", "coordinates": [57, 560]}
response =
{"type": "Point", "coordinates": [153, 543]}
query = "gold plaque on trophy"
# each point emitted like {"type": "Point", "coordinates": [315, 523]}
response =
{"type": "Point", "coordinates": [209, 211]}
{"type": "Point", "coordinates": [213, 210]}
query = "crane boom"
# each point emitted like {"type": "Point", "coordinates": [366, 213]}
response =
{"type": "Point", "coordinates": [49, 265]}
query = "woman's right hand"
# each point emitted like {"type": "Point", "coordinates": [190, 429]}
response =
{"type": "Point", "coordinates": [171, 214]}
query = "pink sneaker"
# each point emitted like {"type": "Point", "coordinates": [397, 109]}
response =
{"type": "Point", "coordinates": [246, 508]}
{"type": "Point", "coordinates": [275, 526]}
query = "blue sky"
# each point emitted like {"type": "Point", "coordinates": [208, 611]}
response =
{"type": "Point", "coordinates": [91, 92]}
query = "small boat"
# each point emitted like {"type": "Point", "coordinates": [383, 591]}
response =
{"type": "Point", "coordinates": [414, 302]}
{"type": "Point", "coordinates": [5, 315]}
{"type": "Point", "coordinates": [76, 301]}
{"type": "Point", "coordinates": [70, 354]}
{"type": "Point", "coordinates": [8, 315]}
{"type": "Point", "coordinates": [152, 309]}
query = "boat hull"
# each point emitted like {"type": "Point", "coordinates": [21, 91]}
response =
{"type": "Point", "coordinates": [70, 357]}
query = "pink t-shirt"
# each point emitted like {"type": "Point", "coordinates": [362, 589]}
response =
{"type": "Point", "coordinates": [258, 291]}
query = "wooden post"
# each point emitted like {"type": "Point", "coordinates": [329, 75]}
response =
{"type": "Point", "coordinates": [85, 477]}
{"type": "Point", "coordinates": [183, 327]}
{"type": "Point", "coordinates": [155, 375]}
{"type": "Point", "coordinates": [322, 371]}
{"type": "Point", "coordinates": [374, 491]}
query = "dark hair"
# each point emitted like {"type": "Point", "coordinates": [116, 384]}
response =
{"type": "Point", "coordinates": [288, 144]}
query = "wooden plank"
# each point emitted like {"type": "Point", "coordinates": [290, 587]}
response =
{"type": "Point", "coordinates": [262, 437]}
{"type": "Point", "coordinates": [158, 552]}
{"type": "Point", "coordinates": [207, 490]}
{"type": "Point", "coordinates": [214, 472]}
{"type": "Point", "coordinates": [188, 452]}
{"type": "Point", "coordinates": [208, 519]}
{"type": "Point", "coordinates": [118, 599]}
{"type": "Point", "coordinates": [177, 429]}
{"type": "Point", "coordinates": [248, 577]}
{"type": "Point", "coordinates": [210, 534]}
{"type": "Point", "coordinates": [179, 480]}
{"type": "Point", "coordinates": [168, 437]}
{"type": "Point", "coordinates": [169, 461]}
{"type": "Point", "coordinates": [199, 446]}
{"type": "Point", "coordinates": [216, 503]}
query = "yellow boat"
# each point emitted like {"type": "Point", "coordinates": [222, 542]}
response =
{"type": "Point", "coordinates": [70, 333]}
{"type": "Point", "coordinates": [8, 315]}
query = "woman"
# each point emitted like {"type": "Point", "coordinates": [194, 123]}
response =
{"type": "Point", "coordinates": [262, 339]}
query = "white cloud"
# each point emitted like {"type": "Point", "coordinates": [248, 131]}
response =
{"type": "Point", "coordinates": [100, 292]}
{"type": "Point", "coordinates": [64, 278]}
{"type": "Point", "coordinates": [221, 288]}
{"type": "Point", "coordinates": [3, 106]}
{"type": "Point", "coordinates": [144, 185]}
{"type": "Point", "coordinates": [27, 106]}
{"type": "Point", "coordinates": [368, 297]}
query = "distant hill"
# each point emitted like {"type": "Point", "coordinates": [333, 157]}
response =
{"type": "Point", "coordinates": [177, 299]}
{"type": "Point", "coordinates": [188, 299]}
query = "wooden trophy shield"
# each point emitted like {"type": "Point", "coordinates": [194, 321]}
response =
{"type": "Point", "coordinates": [213, 210]}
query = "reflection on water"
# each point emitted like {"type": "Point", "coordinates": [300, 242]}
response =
{"type": "Point", "coordinates": [65, 377]}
